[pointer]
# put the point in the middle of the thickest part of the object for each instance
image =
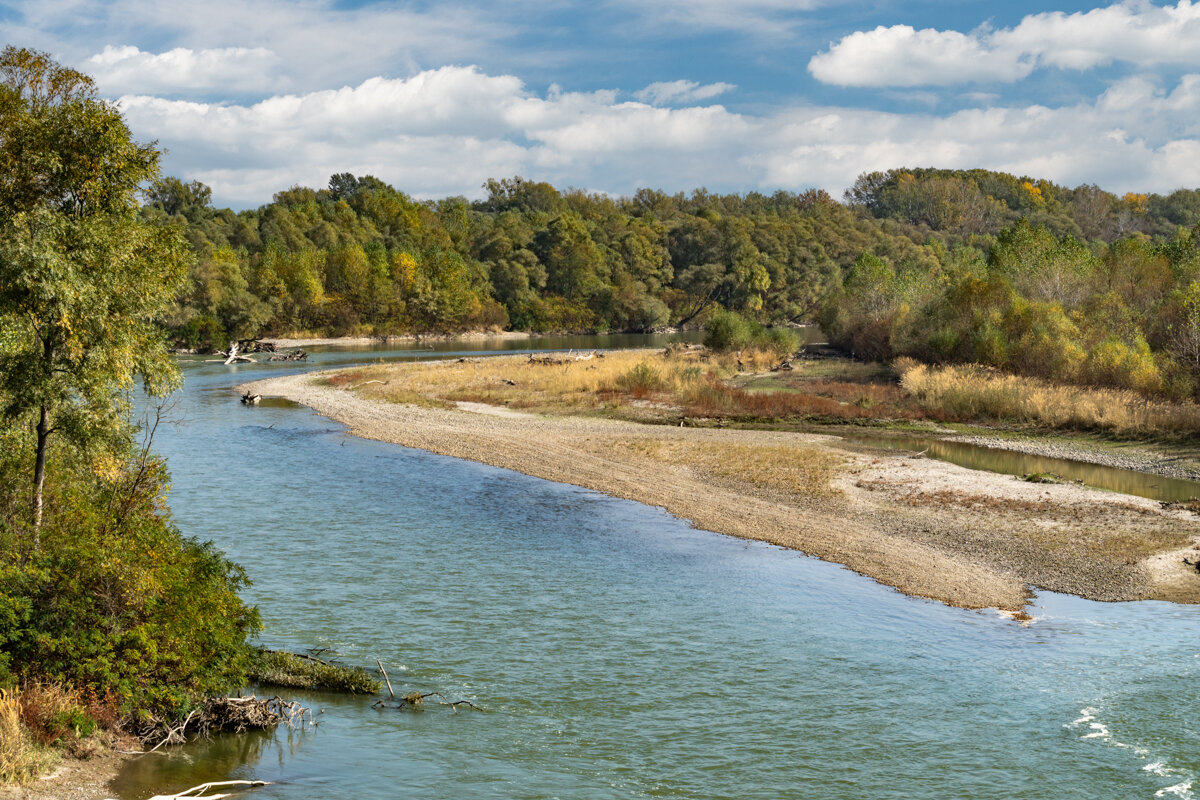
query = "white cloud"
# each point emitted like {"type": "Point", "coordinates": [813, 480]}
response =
{"type": "Point", "coordinates": [446, 131]}
{"type": "Point", "coordinates": [1136, 32]}
{"type": "Point", "coordinates": [666, 92]}
{"type": "Point", "coordinates": [314, 43]}
{"type": "Point", "coordinates": [903, 56]}
{"type": "Point", "coordinates": [125, 69]}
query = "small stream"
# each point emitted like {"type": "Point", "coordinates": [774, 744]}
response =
{"type": "Point", "coordinates": [1124, 481]}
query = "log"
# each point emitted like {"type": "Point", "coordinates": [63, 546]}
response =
{"type": "Point", "coordinates": [197, 792]}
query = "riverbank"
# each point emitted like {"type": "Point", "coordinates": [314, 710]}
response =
{"type": "Point", "coordinates": [927, 528]}
{"type": "Point", "coordinates": [350, 341]}
{"type": "Point", "coordinates": [75, 778]}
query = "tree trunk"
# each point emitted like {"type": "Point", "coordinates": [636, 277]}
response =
{"type": "Point", "coordinates": [39, 472]}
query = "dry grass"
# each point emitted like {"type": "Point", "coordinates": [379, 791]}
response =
{"type": "Point", "coordinates": [21, 759]}
{"type": "Point", "coordinates": [790, 468]}
{"type": "Point", "coordinates": [973, 393]}
{"type": "Point", "coordinates": [605, 382]}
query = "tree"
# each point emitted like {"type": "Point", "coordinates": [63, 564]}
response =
{"type": "Point", "coordinates": [82, 279]}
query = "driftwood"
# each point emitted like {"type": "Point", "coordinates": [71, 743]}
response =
{"type": "Point", "coordinates": [785, 365]}
{"type": "Point", "coordinates": [233, 357]}
{"type": "Point", "coordinates": [225, 715]}
{"type": "Point", "coordinates": [560, 360]}
{"type": "Point", "coordinates": [249, 399]}
{"type": "Point", "coordinates": [295, 355]}
{"type": "Point", "coordinates": [415, 700]}
{"type": "Point", "coordinates": [198, 792]}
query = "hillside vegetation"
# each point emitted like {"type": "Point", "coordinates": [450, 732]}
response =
{"type": "Point", "coordinates": [941, 265]}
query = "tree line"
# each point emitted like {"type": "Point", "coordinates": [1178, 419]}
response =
{"type": "Point", "coordinates": [962, 265]}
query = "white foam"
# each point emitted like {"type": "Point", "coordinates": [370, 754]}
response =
{"type": "Point", "coordinates": [1099, 731]}
{"type": "Point", "coordinates": [1183, 790]}
{"type": "Point", "coordinates": [1158, 768]}
{"type": "Point", "coordinates": [1086, 715]}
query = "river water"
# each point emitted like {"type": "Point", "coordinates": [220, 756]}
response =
{"type": "Point", "coordinates": [618, 653]}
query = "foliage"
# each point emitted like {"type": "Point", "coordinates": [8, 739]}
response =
{"type": "Point", "coordinates": [287, 669]}
{"type": "Point", "coordinates": [82, 278]}
{"type": "Point", "coordinates": [116, 600]}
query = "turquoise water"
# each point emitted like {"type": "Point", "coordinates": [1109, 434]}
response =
{"type": "Point", "coordinates": [618, 653]}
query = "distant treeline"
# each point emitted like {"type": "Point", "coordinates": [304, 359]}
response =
{"type": "Point", "coordinates": [945, 265]}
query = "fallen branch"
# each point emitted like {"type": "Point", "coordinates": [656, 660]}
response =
{"type": "Point", "coordinates": [386, 679]}
{"type": "Point", "coordinates": [415, 700]}
{"type": "Point", "coordinates": [561, 360]}
{"type": "Point", "coordinates": [197, 792]}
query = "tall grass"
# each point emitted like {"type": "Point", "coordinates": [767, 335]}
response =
{"type": "Point", "coordinates": [21, 759]}
{"type": "Point", "coordinates": [597, 382]}
{"type": "Point", "coordinates": [977, 393]}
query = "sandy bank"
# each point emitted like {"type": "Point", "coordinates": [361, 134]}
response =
{"type": "Point", "coordinates": [928, 528]}
{"type": "Point", "coordinates": [77, 779]}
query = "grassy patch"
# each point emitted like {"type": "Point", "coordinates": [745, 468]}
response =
{"type": "Point", "coordinates": [978, 393]}
{"type": "Point", "coordinates": [21, 758]}
{"type": "Point", "coordinates": [792, 468]}
{"type": "Point", "coordinates": [278, 668]}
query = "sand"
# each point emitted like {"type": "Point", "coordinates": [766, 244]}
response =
{"type": "Point", "coordinates": [928, 528]}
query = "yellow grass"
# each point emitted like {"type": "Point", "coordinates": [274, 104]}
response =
{"type": "Point", "coordinates": [791, 468]}
{"type": "Point", "coordinates": [20, 758]}
{"type": "Point", "coordinates": [971, 392]}
{"type": "Point", "coordinates": [572, 387]}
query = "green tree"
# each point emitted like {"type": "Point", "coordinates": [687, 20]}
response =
{"type": "Point", "coordinates": [82, 279]}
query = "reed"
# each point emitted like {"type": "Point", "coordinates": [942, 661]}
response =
{"type": "Point", "coordinates": [968, 392]}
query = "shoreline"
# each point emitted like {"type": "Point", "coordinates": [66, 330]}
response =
{"type": "Point", "coordinates": [925, 527]}
{"type": "Point", "coordinates": [348, 341]}
{"type": "Point", "coordinates": [76, 778]}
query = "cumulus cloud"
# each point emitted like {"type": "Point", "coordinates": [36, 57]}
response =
{"type": "Point", "coordinates": [124, 69]}
{"type": "Point", "coordinates": [446, 131]}
{"type": "Point", "coordinates": [1136, 32]}
{"type": "Point", "coordinates": [251, 46]}
{"type": "Point", "coordinates": [666, 92]}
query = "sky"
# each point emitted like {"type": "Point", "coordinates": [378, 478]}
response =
{"type": "Point", "coordinates": [612, 95]}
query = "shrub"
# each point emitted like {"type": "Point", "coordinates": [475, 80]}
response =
{"type": "Point", "coordinates": [287, 669]}
{"type": "Point", "coordinates": [727, 330]}
{"type": "Point", "coordinates": [116, 603]}
{"type": "Point", "coordinates": [641, 380]}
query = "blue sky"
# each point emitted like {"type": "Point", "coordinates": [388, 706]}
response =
{"type": "Point", "coordinates": [611, 95]}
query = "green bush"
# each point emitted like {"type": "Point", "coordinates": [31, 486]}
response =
{"type": "Point", "coordinates": [727, 330]}
{"type": "Point", "coordinates": [641, 380]}
{"type": "Point", "coordinates": [116, 601]}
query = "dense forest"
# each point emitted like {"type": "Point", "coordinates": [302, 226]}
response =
{"type": "Point", "coordinates": [943, 265]}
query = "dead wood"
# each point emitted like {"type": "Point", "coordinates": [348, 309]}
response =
{"type": "Point", "coordinates": [416, 700]}
{"type": "Point", "coordinates": [386, 679]}
{"type": "Point", "coordinates": [198, 792]}
{"type": "Point", "coordinates": [554, 360]}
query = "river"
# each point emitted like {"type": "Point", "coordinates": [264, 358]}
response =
{"type": "Point", "coordinates": [618, 653]}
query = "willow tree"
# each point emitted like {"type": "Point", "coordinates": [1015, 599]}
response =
{"type": "Point", "coordinates": [82, 280]}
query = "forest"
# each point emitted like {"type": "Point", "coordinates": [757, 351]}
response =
{"type": "Point", "coordinates": [943, 265]}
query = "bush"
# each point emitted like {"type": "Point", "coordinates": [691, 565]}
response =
{"type": "Point", "coordinates": [287, 669]}
{"type": "Point", "coordinates": [641, 380]}
{"type": "Point", "coordinates": [727, 330]}
{"type": "Point", "coordinates": [116, 602]}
